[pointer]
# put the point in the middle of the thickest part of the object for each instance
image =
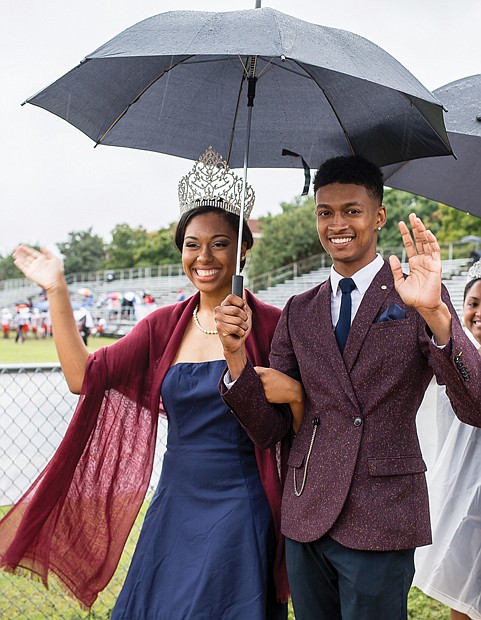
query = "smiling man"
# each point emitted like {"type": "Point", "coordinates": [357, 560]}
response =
{"type": "Point", "coordinates": [349, 216]}
{"type": "Point", "coordinates": [364, 344]}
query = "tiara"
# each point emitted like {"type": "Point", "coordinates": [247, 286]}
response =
{"type": "Point", "coordinates": [211, 183]}
{"type": "Point", "coordinates": [474, 271]}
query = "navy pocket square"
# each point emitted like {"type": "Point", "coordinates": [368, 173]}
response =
{"type": "Point", "coordinates": [392, 313]}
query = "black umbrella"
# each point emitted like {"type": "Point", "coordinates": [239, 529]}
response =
{"type": "Point", "coordinates": [177, 82]}
{"type": "Point", "coordinates": [455, 182]}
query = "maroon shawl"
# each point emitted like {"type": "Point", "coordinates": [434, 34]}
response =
{"type": "Point", "coordinates": [75, 518]}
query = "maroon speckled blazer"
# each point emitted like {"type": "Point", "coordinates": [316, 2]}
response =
{"type": "Point", "coordinates": [355, 469]}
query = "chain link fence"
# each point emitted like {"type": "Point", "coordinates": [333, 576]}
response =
{"type": "Point", "coordinates": [35, 410]}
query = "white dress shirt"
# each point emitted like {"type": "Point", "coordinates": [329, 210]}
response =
{"type": "Point", "coordinates": [362, 280]}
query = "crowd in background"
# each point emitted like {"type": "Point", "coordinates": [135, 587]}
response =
{"type": "Point", "coordinates": [31, 318]}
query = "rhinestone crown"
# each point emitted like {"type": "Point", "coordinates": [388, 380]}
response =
{"type": "Point", "coordinates": [474, 271]}
{"type": "Point", "coordinates": [211, 183]}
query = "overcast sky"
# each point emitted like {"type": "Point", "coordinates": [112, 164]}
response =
{"type": "Point", "coordinates": [54, 182]}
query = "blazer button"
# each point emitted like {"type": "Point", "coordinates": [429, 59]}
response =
{"type": "Point", "coordinates": [357, 421]}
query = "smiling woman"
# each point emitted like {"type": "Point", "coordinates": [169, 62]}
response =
{"type": "Point", "coordinates": [211, 538]}
{"type": "Point", "coordinates": [208, 245]}
{"type": "Point", "coordinates": [472, 304]}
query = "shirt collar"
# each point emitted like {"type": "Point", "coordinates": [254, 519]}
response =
{"type": "Point", "coordinates": [362, 278]}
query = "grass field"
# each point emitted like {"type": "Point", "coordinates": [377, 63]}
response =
{"type": "Point", "coordinates": [28, 600]}
{"type": "Point", "coordinates": [25, 599]}
{"type": "Point", "coordinates": [38, 351]}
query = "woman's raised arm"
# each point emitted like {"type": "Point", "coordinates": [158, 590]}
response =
{"type": "Point", "coordinates": [46, 270]}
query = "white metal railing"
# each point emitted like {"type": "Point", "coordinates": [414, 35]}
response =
{"type": "Point", "coordinates": [107, 276]}
{"type": "Point", "coordinates": [318, 261]}
{"type": "Point", "coordinates": [110, 276]}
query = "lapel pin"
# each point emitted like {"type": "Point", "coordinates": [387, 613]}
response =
{"type": "Point", "coordinates": [383, 287]}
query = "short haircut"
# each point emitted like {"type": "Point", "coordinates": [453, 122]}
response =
{"type": "Point", "coordinates": [351, 169]}
{"type": "Point", "coordinates": [231, 218]}
{"type": "Point", "coordinates": [469, 286]}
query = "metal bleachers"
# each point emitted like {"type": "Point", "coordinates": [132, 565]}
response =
{"type": "Point", "coordinates": [454, 278]}
{"type": "Point", "coordinates": [165, 290]}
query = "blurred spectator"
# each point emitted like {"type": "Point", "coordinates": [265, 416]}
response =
{"type": "Point", "coordinates": [22, 319]}
{"type": "Point", "coordinates": [100, 327]}
{"type": "Point", "coordinates": [7, 317]}
{"type": "Point", "coordinates": [113, 306]}
{"type": "Point", "coordinates": [181, 295]}
{"type": "Point", "coordinates": [474, 255]}
{"type": "Point", "coordinates": [45, 325]}
{"type": "Point", "coordinates": [128, 310]}
{"type": "Point", "coordinates": [35, 322]}
{"type": "Point", "coordinates": [85, 322]}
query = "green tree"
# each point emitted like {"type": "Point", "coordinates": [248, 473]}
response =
{"type": "Point", "coordinates": [159, 250]}
{"type": "Point", "coordinates": [292, 234]}
{"type": "Point", "coordinates": [8, 269]}
{"type": "Point", "coordinates": [287, 237]}
{"type": "Point", "coordinates": [126, 243]}
{"type": "Point", "coordinates": [135, 247]}
{"type": "Point", "coordinates": [457, 224]}
{"type": "Point", "coordinates": [83, 251]}
{"type": "Point", "coordinates": [399, 205]}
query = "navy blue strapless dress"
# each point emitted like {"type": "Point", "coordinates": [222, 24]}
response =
{"type": "Point", "coordinates": [206, 546]}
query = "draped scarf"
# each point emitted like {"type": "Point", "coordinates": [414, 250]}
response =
{"type": "Point", "coordinates": [75, 518]}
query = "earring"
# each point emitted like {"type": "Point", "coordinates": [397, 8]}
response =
{"type": "Point", "coordinates": [243, 257]}
{"type": "Point", "coordinates": [379, 227]}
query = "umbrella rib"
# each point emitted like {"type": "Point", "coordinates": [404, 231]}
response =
{"type": "Point", "coordinates": [400, 167]}
{"type": "Point", "coordinates": [405, 95]}
{"type": "Point", "coordinates": [234, 123]}
{"type": "Point", "coordinates": [243, 64]}
{"type": "Point", "coordinates": [137, 97]}
{"type": "Point", "coordinates": [245, 75]}
{"type": "Point", "coordinates": [330, 104]}
{"type": "Point", "coordinates": [289, 69]}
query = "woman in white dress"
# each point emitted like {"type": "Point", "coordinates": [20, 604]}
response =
{"type": "Point", "coordinates": [449, 570]}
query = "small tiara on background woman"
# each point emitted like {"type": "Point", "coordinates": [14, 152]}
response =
{"type": "Point", "coordinates": [211, 183]}
{"type": "Point", "coordinates": [474, 271]}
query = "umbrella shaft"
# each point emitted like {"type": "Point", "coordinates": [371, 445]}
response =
{"type": "Point", "coordinates": [246, 166]}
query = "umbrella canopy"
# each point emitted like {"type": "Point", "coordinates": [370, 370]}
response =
{"type": "Point", "coordinates": [43, 305]}
{"type": "Point", "coordinates": [454, 182]}
{"type": "Point", "coordinates": [131, 296]}
{"type": "Point", "coordinates": [177, 82]}
{"type": "Point", "coordinates": [86, 292]}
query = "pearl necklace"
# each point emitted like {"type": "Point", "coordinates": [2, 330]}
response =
{"type": "Point", "coordinates": [211, 332]}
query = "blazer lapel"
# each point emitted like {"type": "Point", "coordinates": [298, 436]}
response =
{"type": "Point", "coordinates": [327, 342]}
{"type": "Point", "coordinates": [375, 295]}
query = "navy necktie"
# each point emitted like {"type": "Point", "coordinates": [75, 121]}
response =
{"type": "Point", "coordinates": [344, 323]}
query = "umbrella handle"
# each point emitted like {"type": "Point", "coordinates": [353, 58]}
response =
{"type": "Point", "coordinates": [238, 285]}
